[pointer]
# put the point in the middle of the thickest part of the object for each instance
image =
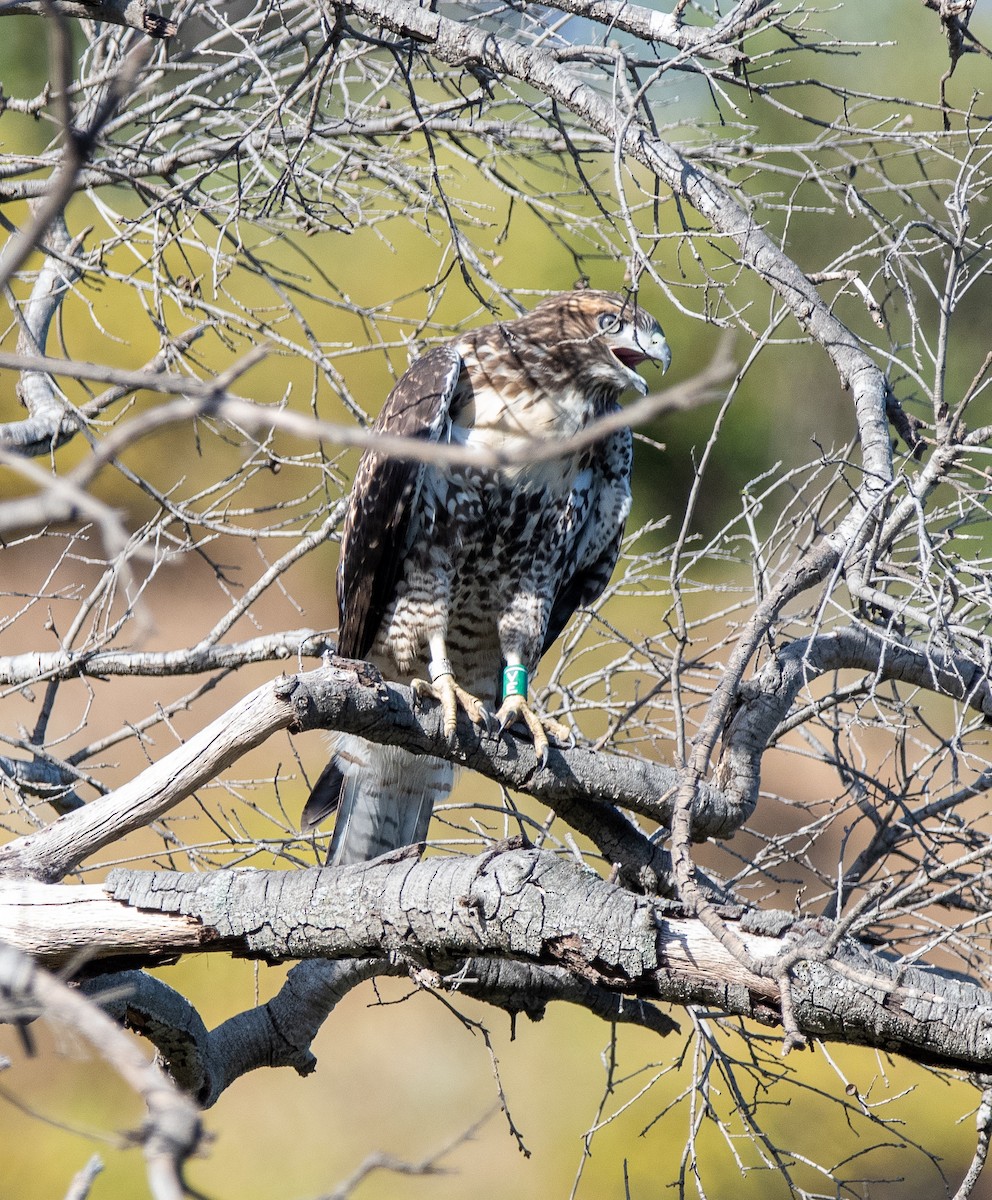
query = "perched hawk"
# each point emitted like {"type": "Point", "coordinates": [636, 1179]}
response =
{"type": "Point", "coordinates": [456, 580]}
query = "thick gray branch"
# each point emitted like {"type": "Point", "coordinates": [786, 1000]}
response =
{"type": "Point", "coordinates": [526, 906]}
{"type": "Point", "coordinates": [766, 700]}
{"type": "Point", "coordinates": [279, 1033]}
{"type": "Point", "coordinates": [585, 787]}
{"type": "Point", "coordinates": [534, 906]}
{"type": "Point", "coordinates": [582, 785]}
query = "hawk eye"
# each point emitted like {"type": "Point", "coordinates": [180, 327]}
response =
{"type": "Point", "coordinates": [609, 323]}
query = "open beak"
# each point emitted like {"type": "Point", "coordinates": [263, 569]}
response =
{"type": "Point", "coordinates": [643, 347]}
{"type": "Point", "coordinates": [655, 348]}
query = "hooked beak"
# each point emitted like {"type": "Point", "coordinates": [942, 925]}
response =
{"type": "Point", "coordinates": [658, 350]}
{"type": "Point", "coordinates": [647, 347]}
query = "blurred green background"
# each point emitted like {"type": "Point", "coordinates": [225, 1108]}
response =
{"type": "Point", "coordinates": [408, 1078]}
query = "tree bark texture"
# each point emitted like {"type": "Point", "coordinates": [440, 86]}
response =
{"type": "Point", "coordinates": [583, 785]}
{"type": "Point", "coordinates": [523, 905]}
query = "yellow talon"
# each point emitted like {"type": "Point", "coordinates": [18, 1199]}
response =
{"type": "Point", "coordinates": [451, 697]}
{"type": "Point", "coordinates": [518, 708]}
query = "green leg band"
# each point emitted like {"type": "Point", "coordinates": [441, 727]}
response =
{"type": "Point", "coordinates": [514, 682]}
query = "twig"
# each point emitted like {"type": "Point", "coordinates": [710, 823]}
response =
{"type": "Point", "coordinates": [172, 1132]}
{"type": "Point", "coordinates": [83, 1180]}
{"type": "Point", "coordinates": [983, 1121]}
{"type": "Point", "coordinates": [430, 1165]}
{"type": "Point", "coordinates": [76, 149]}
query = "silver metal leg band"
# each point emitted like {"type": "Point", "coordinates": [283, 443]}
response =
{"type": "Point", "coordinates": [438, 667]}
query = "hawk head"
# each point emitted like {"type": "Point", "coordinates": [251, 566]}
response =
{"type": "Point", "coordinates": [605, 335]}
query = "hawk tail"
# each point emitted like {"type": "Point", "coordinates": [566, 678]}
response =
{"type": "Point", "coordinates": [384, 798]}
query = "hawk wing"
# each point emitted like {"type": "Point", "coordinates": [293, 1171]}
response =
{"type": "Point", "coordinates": [376, 527]}
{"type": "Point", "coordinates": [385, 494]}
{"type": "Point", "coordinates": [597, 510]}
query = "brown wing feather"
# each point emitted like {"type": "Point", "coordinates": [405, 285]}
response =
{"type": "Point", "coordinates": [385, 493]}
{"type": "Point", "coordinates": [373, 540]}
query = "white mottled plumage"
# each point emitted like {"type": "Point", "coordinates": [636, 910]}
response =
{"type": "Point", "coordinates": [481, 568]}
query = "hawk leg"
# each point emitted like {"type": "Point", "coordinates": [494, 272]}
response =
{"type": "Point", "coordinates": [516, 707]}
{"type": "Point", "coordinates": [445, 690]}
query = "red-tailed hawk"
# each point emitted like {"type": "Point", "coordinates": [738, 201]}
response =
{"type": "Point", "coordinates": [456, 580]}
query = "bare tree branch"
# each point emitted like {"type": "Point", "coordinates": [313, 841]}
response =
{"type": "Point", "coordinates": [531, 906]}
{"type": "Point", "coordinates": [194, 660]}
{"type": "Point", "coordinates": [51, 420]}
{"type": "Point", "coordinates": [82, 1181]}
{"type": "Point", "coordinates": [583, 785]}
{"type": "Point", "coordinates": [300, 197]}
{"type": "Point", "coordinates": [78, 145]}
{"type": "Point", "coordinates": [173, 1129]}
{"type": "Point", "coordinates": [135, 14]}
{"type": "Point", "coordinates": [984, 1123]}
{"type": "Point", "coordinates": [279, 1033]}
{"type": "Point", "coordinates": [765, 701]}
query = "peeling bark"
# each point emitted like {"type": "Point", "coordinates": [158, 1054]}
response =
{"type": "Point", "coordinates": [522, 906]}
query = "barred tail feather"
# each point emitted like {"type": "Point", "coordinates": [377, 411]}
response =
{"type": "Point", "coordinates": [385, 797]}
